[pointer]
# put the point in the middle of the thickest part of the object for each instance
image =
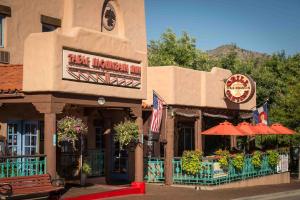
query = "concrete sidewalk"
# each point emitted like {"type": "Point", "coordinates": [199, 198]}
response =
{"type": "Point", "coordinates": [160, 192]}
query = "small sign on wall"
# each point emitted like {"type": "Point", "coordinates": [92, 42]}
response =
{"type": "Point", "coordinates": [54, 140]}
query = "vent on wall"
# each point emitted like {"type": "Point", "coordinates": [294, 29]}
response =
{"type": "Point", "coordinates": [4, 57]}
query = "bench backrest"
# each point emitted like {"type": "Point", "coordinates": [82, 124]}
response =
{"type": "Point", "coordinates": [23, 182]}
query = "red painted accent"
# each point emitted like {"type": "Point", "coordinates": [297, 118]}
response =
{"type": "Point", "coordinates": [136, 188]}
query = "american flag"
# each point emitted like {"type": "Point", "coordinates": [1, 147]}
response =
{"type": "Point", "coordinates": [156, 114]}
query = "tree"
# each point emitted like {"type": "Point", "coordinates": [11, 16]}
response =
{"type": "Point", "coordinates": [178, 51]}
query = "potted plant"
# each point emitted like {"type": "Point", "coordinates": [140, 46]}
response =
{"type": "Point", "coordinates": [85, 171]}
{"type": "Point", "coordinates": [126, 132]}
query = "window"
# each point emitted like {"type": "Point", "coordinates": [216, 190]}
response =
{"type": "Point", "coordinates": [49, 23]}
{"type": "Point", "coordinates": [48, 28]}
{"type": "Point", "coordinates": [5, 11]}
{"type": "Point", "coordinates": [1, 31]}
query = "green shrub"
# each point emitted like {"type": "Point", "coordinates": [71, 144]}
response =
{"type": "Point", "coordinates": [273, 158]}
{"type": "Point", "coordinates": [256, 159]}
{"type": "Point", "coordinates": [223, 158]}
{"type": "Point", "coordinates": [238, 161]}
{"type": "Point", "coordinates": [191, 161]}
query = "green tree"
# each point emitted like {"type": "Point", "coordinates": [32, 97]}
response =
{"type": "Point", "coordinates": [178, 51]}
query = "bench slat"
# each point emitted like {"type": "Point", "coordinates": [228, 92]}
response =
{"type": "Point", "coordinates": [27, 185]}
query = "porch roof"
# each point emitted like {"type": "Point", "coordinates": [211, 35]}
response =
{"type": "Point", "coordinates": [11, 78]}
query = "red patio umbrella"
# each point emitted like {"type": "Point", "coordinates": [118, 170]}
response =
{"type": "Point", "coordinates": [263, 129]}
{"type": "Point", "coordinates": [225, 128]}
{"type": "Point", "coordinates": [280, 129]}
{"type": "Point", "coordinates": [246, 128]}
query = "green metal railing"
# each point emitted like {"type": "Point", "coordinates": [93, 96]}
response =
{"type": "Point", "coordinates": [13, 166]}
{"type": "Point", "coordinates": [210, 172]}
{"type": "Point", "coordinates": [154, 170]}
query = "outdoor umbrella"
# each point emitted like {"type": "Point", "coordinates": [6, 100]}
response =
{"type": "Point", "coordinates": [263, 129]}
{"type": "Point", "coordinates": [246, 128]}
{"type": "Point", "coordinates": [225, 128]}
{"type": "Point", "coordinates": [280, 129]}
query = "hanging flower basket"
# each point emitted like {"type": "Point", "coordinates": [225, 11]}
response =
{"type": "Point", "coordinates": [126, 132]}
{"type": "Point", "coordinates": [69, 129]}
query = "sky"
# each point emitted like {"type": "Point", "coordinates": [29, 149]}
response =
{"type": "Point", "coordinates": [266, 26]}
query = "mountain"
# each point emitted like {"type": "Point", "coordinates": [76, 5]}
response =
{"type": "Point", "coordinates": [242, 54]}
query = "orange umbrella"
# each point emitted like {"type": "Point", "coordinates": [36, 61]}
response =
{"type": "Point", "coordinates": [224, 128]}
{"type": "Point", "coordinates": [264, 129]}
{"type": "Point", "coordinates": [246, 128]}
{"type": "Point", "coordinates": [279, 128]}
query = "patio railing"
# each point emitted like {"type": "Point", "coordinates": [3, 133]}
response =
{"type": "Point", "coordinates": [154, 170]}
{"type": "Point", "coordinates": [12, 166]}
{"type": "Point", "coordinates": [211, 173]}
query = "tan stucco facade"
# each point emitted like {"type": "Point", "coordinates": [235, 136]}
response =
{"type": "Point", "coordinates": [187, 87]}
{"type": "Point", "coordinates": [81, 29]}
{"type": "Point", "coordinates": [24, 20]}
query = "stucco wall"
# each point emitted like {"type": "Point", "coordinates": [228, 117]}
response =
{"type": "Point", "coordinates": [81, 30]}
{"type": "Point", "coordinates": [182, 86]}
{"type": "Point", "coordinates": [24, 20]}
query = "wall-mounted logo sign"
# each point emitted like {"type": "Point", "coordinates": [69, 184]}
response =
{"type": "Point", "coordinates": [109, 17]}
{"type": "Point", "coordinates": [90, 68]}
{"type": "Point", "coordinates": [239, 88]}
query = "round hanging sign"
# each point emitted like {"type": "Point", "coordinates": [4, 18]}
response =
{"type": "Point", "coordinates": [239, 88]}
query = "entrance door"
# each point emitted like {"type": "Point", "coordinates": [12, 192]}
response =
{"type": "Point", "coordinates": [14, 138]}
{"type": "Point", "coordinates": [30, 138]}
{"type": "Point", "coordinates": [22, 137]}
{"type": "Point", "coordinates": [96, 156]}
{"type": "Point", "coordinates": [120, 163]}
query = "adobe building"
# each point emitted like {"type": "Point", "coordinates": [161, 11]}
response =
{"type": "Point", "coordinates": [73, 57]}
{"type": "Point", "coordinates": [195, 101]}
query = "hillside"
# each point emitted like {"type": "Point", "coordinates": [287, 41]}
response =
{"type": "Point", "coordinates": [242, 54]}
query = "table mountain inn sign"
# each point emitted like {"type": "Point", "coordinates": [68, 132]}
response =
{"type": "Point", "coordinates": [100, 69]}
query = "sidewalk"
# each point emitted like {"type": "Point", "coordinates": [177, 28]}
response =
{"type": "Point", "coordinates": [160, 192]}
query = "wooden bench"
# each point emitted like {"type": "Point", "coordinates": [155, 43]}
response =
{"type": "Point", "coordinates": [30, 187]}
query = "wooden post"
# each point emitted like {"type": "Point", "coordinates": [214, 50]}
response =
{"type": "Point", "coordinates": [50, 110]}
{"type": "Point", "coordinates": [50, 142]}
{"type": "Point", "coordinates": [169, 150]}
{"type": "Point", "coordinates": [138, 153]}
{"type": "Point", "coordinates": [198, 135]}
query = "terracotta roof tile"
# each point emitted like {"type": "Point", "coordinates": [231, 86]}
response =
{"type": "Point", "coordinates": [11, 78]}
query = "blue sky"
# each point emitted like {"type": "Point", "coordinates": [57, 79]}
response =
{"type": "Point", "coordinates": [261, 25]}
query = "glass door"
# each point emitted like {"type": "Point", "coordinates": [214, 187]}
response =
{"type": "Point", "coordinates": [30, 138]}
{"type": "Point", "coordinates": [14, 139]}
